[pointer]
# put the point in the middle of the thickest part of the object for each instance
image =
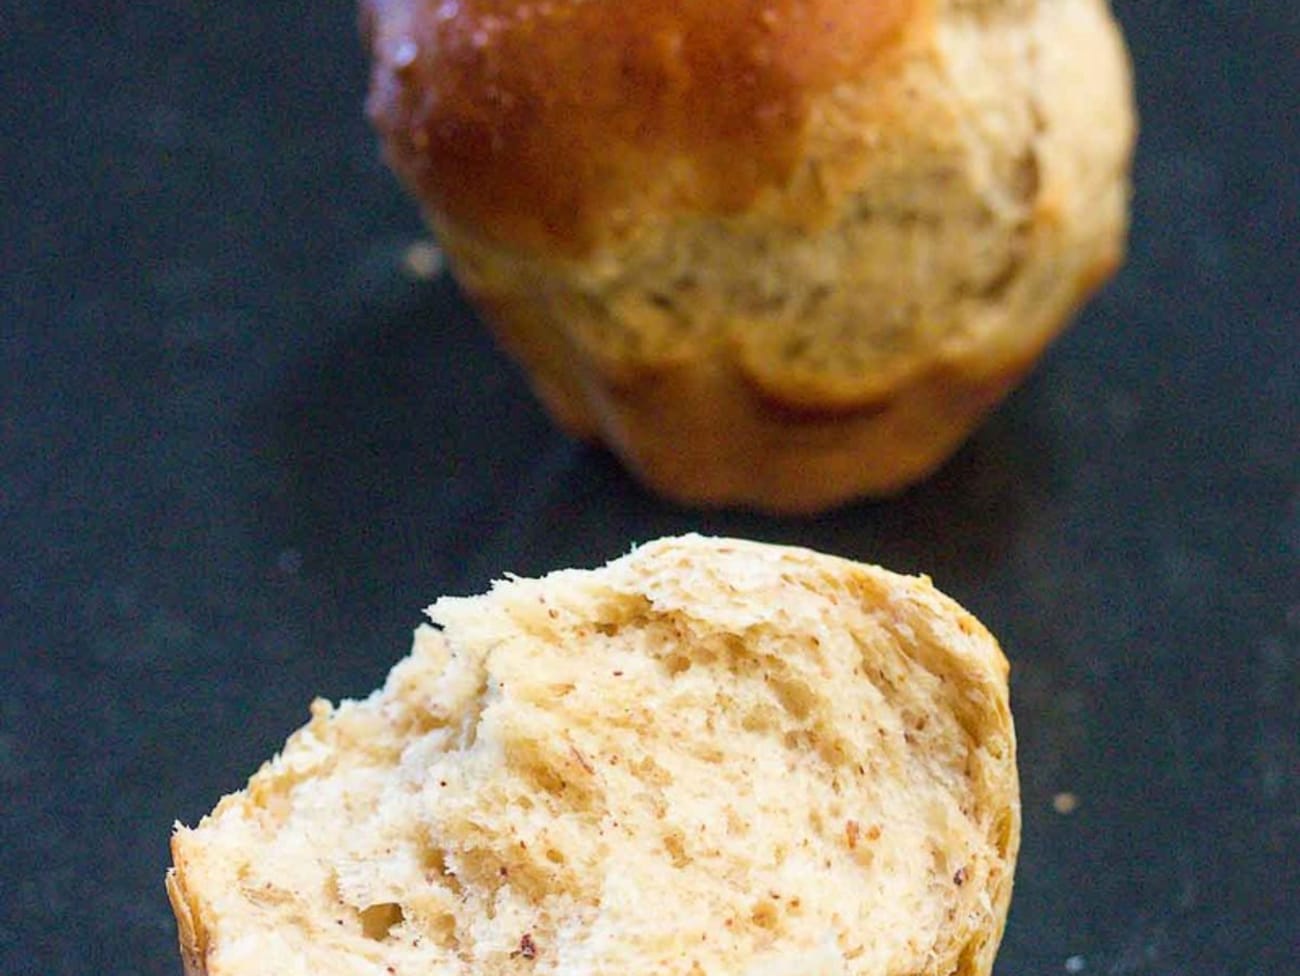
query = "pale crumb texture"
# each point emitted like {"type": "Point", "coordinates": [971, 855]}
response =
{"type": "Point", "coordinates": [708, 757]}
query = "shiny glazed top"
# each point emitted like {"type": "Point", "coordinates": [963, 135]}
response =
{"type": "Point", "coordinates": [556, 125]}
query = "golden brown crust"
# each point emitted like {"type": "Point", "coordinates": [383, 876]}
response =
{"type": "Point", "coordinates": [782, 315]}
{"type": "Point", "coordinates": [191, 936]}
{"type": "Point", "coordinates": [701, 434]}
{"type": "Point", "coordinates": [549, 123]}
{"type": "Point", "coordinates": [700, 431]}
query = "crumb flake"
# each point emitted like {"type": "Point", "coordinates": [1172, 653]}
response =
{"type": "Point", "coordinates": [1065, 803]}
{"type": "Point", "coordinates": [422, 260]}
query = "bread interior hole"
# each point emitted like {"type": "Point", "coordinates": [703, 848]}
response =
{"type": "Point", "coordinates": [677, 663]}
{"type": "Point", "coordinates": [675, 846]}
{"type": "Point", "coordinates": [795, 696]}
{"type": "Point", "coordinates": [377, 921]}
{"type": "Point", "coordinates": [764, 915]}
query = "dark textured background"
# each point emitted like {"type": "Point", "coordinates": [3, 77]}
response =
{"type": "Point", "coordinates": [242, 449]}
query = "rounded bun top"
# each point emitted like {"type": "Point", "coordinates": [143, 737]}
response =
{"type": "Point", "coordinates": [555, 124]}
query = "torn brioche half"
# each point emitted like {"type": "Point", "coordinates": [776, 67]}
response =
{"type": "Point", "coordinates": [709, 757]}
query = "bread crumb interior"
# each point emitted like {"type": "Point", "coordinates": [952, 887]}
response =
{"type": "Point", "coordinates": [582, 773]}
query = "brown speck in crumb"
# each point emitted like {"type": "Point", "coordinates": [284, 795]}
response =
{"type": "Point", "coordinates": [1065, 803]}
{"type": "Point", "coordinates": [959, 878]}
{"type": "Point", "coordinates": [504, 871]}
{"type": "Point", "coordinates": [580, 759]}
{"type": "Point", "coordinates": [527, 948]}
{"type": "Point", "coordinates": [442, 782]}
{"type": "Point", "coordinates": [873, 832]}
{"type": "Point", "coordinates": [618, 674]}
{"type": "Point", "coordinates": [553, 613]}
{"type": "Point", "coordinates": [851, 832]}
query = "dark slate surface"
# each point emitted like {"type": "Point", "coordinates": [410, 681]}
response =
{"type": "Point", "coordinates": [242, 449]}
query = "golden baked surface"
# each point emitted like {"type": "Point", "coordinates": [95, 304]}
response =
{"type": "Point", "coordinates": [773, 254]}
{"type": "Point", "coordinates": [537, 120]}
{"type": "Point", "coordinates": [708, 757]}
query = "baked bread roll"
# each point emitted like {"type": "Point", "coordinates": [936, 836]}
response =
{"type": "Point", "coordinates": [708, 758]}
{"type": "Point", "coordinates": [775, 254]}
